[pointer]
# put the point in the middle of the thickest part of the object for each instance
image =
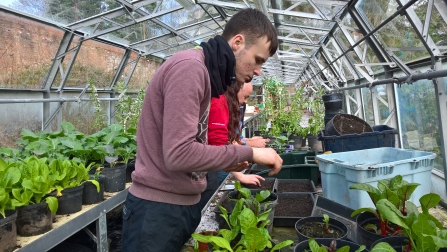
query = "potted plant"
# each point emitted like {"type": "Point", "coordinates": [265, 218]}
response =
{"type": "Point", "coordinates": [246, 231]}
{"type": "Point", "coordinates": [371, 224]}
{"type": "Point", "coordinates": [9, 176]}
{"type": "Point", "coordinates": [34, 204]}
{"type": "Point", "coordinates": [316, 123]}
{"type": "Point", "coordinates": [423, 232]}
{"type": "Point", "coordinates": [328, 245]}
{"type": "Point", "coordinates": [320, 227]}
{"type": "Point", "coordinates": [258, 201]}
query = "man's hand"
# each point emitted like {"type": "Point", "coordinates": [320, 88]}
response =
{"type": "Point", "coordinates": [249, 179]}
{"type": "Point", "coordinates": [269, 158]}
{"type": "Point", "coordinates": [237, 168]}
{"type": "Point", "coordinates": [256, 141]}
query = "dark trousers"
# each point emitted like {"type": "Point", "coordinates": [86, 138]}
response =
{"type": "Point", "coordinates": [154, 226]}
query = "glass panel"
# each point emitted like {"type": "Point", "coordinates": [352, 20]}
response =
{"type": "Point", "coordinates": [293, 20]}
{"type": "Point", "coordinates": [64, 12]}
{"type": "Point", "coordinates": [419, 118]}
{"type": "Point", "coordinates": [376, 11]}
{"type": "Point", "coordinates": [95, 61]}
{"type": "Point", "coordinates": [353, 105]}
{"type": "Point", "coordinates": [143, 74]}
{"type": "Point", "coordinates": [24, 62]}
{"type": "Point", "coordinates": [437, 28]}
{"type": "Point", "coordinates": [82, 114]}
{"type": "Point", "coordinates": [368, 106]}
{"type": "Point", "coordinates": [184, 17]}
{"type": "Point", "coordinates": [18, 116]}
{"type": "Point", "coordinates": [381, 93]}
{"type": "Point", "coordinates": [398, 35]}
{"type": "Point", "coordinates": [328, 10]}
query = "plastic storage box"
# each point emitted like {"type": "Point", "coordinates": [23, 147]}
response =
{"type": "Point", "coordinates": [340, 170]}
{"type": "Point", "coordinates": [382, 136]}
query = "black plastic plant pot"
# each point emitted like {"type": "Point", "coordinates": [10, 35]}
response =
{"type": "Point", "coordinates": [366, 237]}
{"type": "Point", "coordinates": [90, 194]}
{"type": "Point", "coordinates": [304, 245]}
{"type": "Point", "coordinates": [130, 168]}
{"type": "Point", "coordinates": [34, 219]}
{"type": "Point", "coordinates": [333, 224]}
{"type": "Point", "coordinates": [115, 178]}
{"type": "Point", "coordinates": [396, 242]}
{"type": "Point", "coordinates": [264, 183]}
{"type": "Point", "coordinates": [8, 231]}
{"type": "Point", "coordinates": [71, 200]}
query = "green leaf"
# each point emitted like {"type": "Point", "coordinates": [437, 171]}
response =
{"type": "Point", "coordinates": [96, 183]}
{"type": "Point", "coordinates": [247, 220]}
{"type": "Point", "coordinates": [382, 247]}
{"type": "Point", "coordinates": [373, 192]}
{"type": "Point", "coordinates": [428, 201]}
{"type": "Point", "coordinates": [221, 242]}
{"type": "Point", "coordinates": [389, 212]}
{"type": "Point", "coordinates": [53, 204]}
{"type": "Point", "coordinates": [344, 249]}
{"type": "Point", "coordinates": [423, 231]}
{"type": "Point", "coordinates": [11, 177]}
{"type": "Point", "coordinates": [282, 244]}
{"type": "Point", "coordinates": [29, 135]}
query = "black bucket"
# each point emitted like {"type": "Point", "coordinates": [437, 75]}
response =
{"type": "Point", "coordinates": [71, 200]}
{"type": "Point", "coordinates": [8, 231]}
{"type": "Point", "coordinates": [90, 194]}
{"type": "Point", "coordinates": [329, 114]}
{"type": "Point", "coordinates": [34, 219]}
{"type": "Point", "coordinates": [115, 178]}
{"type": "Point", "coordinates": [333, 101]}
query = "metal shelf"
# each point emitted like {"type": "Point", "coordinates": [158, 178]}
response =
{"type": "Point", "coordinates": [77, 222]}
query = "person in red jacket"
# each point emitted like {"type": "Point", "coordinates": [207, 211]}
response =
{"type": "Point", "coordinates": [224, 129]}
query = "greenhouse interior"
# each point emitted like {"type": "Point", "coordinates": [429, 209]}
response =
{"type": "Point", "coordinates": [353, 101]}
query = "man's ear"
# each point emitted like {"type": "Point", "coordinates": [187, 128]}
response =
{"type": "Point", "coordinates": [237, 42]}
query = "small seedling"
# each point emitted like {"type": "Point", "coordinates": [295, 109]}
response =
{"type": "Point", "coordinates": [326, 221]}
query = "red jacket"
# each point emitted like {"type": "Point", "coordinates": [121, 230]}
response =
{"type": "Point", "coordinates": [218, 121]}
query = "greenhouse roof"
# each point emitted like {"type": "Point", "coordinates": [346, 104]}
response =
{"type": "Point", "coordinates": [321, 41]}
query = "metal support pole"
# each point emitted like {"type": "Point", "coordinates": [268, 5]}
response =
{"type": "Point", "coordinates": [101, 233]}
{"type": "Point", "coordinates": [441, 102]}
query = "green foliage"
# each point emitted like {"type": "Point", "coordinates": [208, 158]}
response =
{"type": "Point", "coordinates": [315, 247]}
{"type": "Point", "coordinates": [128, 108]}
{"type": "Point", "coordinates": [424, 232]}
{"type": "Point", "coordinates": [243, 220]}
{"type": "Point", "coordinates": [100, 116]}
{"type": "Point", "coordinates": [316, 105]}
{"type": "Point", "coordinates": [36, 183]}
{"type": "Point", "coordinates": [396, 190]}
{"type": "Point", "coordinates": [326, 221]}
{"type": "Point", "coordinates": [9, 176]}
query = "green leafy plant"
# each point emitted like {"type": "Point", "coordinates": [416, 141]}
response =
{"type": "Point", "coordinates": [315, 247]}
{"type": "Point", "coordinates": [281, 143]}
{"type": "Point", "coordinates": [395, 190]}
{"type": "Point", "coordinates": [36, 184]}
{"type": "Point", "coordinates": [128, 108]}
{"type": "Point", "coordinates": [424, 231]}
{"type": "Point", "coordinates": [100, 116]}
{"type": "Point", "coordinates": [326, 221]}
{"type": "Point", "coordinates": [243, 223]}
{"type": "Point", "coordinates": [9, 176]}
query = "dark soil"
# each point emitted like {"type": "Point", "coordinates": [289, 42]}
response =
{"type": "Point", "coordinates": [294, 187]}
{"type": "Point", "coordinates": [316, 230]}
{"type": "Point", "coordinates": [349, 124]}
{"type": "Point", "coordinates": [294, 207]}
{"type": "Point", "coordinates": [265, 185]}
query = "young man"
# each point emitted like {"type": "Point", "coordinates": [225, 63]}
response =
{"type": "Point", "coordinates": [161, 210]}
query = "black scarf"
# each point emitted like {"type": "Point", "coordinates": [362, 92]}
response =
{"type": "Point", "coordinates": [220, 62]}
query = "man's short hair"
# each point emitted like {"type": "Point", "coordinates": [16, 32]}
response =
{"type": "Point", "coordinates": [253, 24]}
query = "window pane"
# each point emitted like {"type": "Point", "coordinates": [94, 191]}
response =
{"type": "Point", "coordinates": [419, 118]}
